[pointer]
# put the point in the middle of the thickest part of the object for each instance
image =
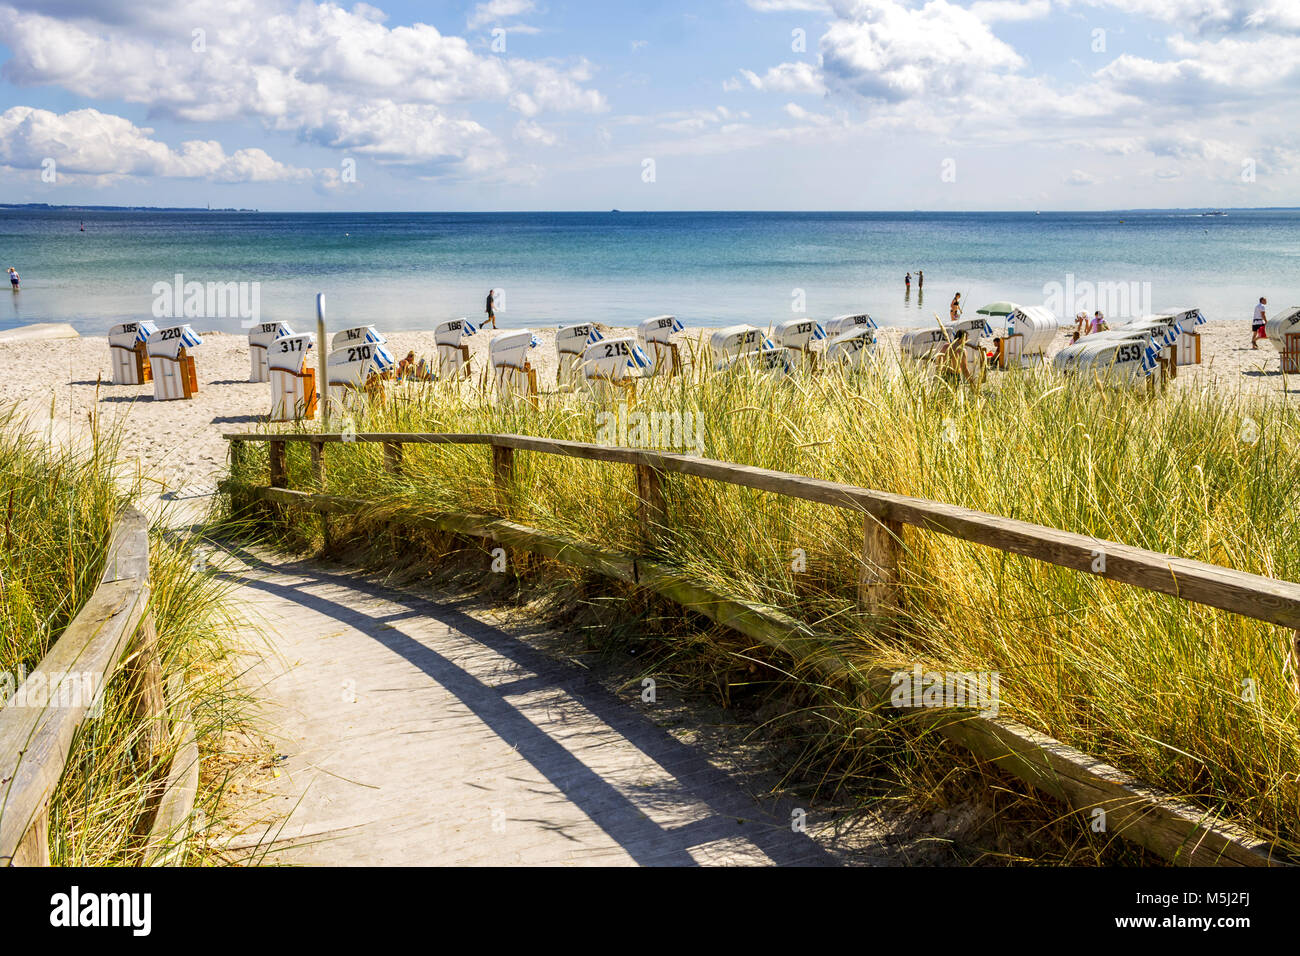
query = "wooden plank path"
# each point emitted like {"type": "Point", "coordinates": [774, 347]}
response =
{"type": "Point", "coordinates": [415, 733]}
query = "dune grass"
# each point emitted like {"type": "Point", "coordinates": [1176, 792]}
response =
{"type": "Point", "coordinates": [58, 508]}
{"type": "Point", "coordinates": [1193, 700]}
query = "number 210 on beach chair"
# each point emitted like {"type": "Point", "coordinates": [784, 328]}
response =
{"type": "Point", "coordinates": [126, 348]}
{"type": "Point", "coordinates": [174, 375]}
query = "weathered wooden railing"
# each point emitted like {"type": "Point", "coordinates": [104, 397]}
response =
{"type": "Point", "coordinates": [1173, 828]}
{"type": "Point", "coordinates": [40, 722]}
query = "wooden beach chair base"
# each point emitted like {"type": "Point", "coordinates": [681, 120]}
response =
{"type": "Point", "coordinates": [1291, 354]}
{"type": "Point", "coordinates": [530, 376]}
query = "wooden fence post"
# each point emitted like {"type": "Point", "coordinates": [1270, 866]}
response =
{"type": "Point", "coordinates": [279, 473]}
{"type": "Point", "coordinates": [147, 688]}
{"type": "Point", "coordinates": [34, 849]}
{"type": "Point", "coordinates": [503, 475]}
{"type": "Point", "coordinates": [318, 464]}
{"type": "Point", "coordinates": [879, 590]}
{"type": "Point", "coordinates": [650, 503]}
{"type": "Point", "coordinates": [236, 455]}
{"type": "Point", "coordinates": [393, 458]}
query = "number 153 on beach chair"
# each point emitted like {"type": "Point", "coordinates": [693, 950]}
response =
{"type": "Point", "coordinates": [174, 375]}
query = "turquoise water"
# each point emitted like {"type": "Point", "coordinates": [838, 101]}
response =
{"type": "Point", "coordinates": [410, 270]}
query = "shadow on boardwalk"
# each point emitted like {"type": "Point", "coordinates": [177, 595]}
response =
{"type": "Point", "coordinates": [415, 731]}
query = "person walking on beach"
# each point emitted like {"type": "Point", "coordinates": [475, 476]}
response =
{"type": "Point", "coordinates": [1256, 324]}
{"type": "Point", "coordinates": [954, 310]}
{"type": "Point", "coordinates": [491, 310]}
{"type": "Point", "coordinates": [13, 278]}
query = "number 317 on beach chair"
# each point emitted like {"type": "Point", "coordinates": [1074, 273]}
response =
{"type": "Point", "coordinates": [293, 380]}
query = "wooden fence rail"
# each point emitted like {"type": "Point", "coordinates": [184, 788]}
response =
{"type": "Point", "coordinates": [39, 724]}
{"type": "Point", "coordinates": [1170, 827]}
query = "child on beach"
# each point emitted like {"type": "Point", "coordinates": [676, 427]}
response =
{"type": "Point", "coordinates": [1080, 326]}
{"type": "Point", "coordinates": [491, 312]}
{"type": "Point", "coordinates": [13, 278]}
{"type": "Point", "coordinates": [1258, 323]}
{"type": "Point", "coordinates": [907, 281]}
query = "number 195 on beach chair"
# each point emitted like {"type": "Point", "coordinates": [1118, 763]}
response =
{"type": "Point", "coordinates": [293, 379]}
{"type": "Point", "coordinates": [126, 348]}
{"type": "Point", "coordinates": [174, 375]}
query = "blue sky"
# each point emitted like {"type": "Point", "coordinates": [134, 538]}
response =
{"type": "Point", "coordinates": [738, 104]}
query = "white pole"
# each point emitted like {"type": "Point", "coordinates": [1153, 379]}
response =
{"type": "Point", "coordinates": [322, 361]}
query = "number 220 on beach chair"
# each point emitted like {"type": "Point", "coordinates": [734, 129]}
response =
{"type": "Point", "coordinates": [174, 375]}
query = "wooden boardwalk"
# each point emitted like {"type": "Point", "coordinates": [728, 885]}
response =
{"type": "Point", "coordinates": [416, 731]}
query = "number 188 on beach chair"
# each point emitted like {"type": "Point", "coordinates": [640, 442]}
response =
{"type": "Point", "coordinates": [126, 347]}
{"type": "Point", "coordinates": [174, 375]}
{"type": "Point", "coordinates": [656, 337]}
{"type": "Point", "coordinates": [293, 379]}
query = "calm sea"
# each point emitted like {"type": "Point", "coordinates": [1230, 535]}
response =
{"type": "Point", "coordinates": [410, 270]}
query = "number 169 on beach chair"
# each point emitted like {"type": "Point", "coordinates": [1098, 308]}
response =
{"type": "Point", "coordinates": [174, 375]}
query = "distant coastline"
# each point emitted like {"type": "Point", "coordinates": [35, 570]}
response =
{"type": "Point", "coordinates": [44, 206]}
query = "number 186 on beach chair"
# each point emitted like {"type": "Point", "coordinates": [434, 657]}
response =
{"type": "Point", "coordinates": [453, 353]}
{"type": "Point", "coordinates": [126, 348]}
{"type": "Point", "coordinates": [293, 380]}
{"type": "Point", "coordinates": [174, 375]}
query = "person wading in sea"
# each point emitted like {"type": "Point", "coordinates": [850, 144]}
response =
{"type": "Point", "coordinates": [920, 279]}
{"type": "Point", "coordinates": [490, 310]}
{"type": "Point", "coordinates": [907, 281]}
{"type": "Point", "coordinates": [1257, 323]}
{"type": "Point", "coordinates": [13, 278]}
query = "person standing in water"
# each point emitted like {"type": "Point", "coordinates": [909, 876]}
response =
{"type": "Point", "coordinates": [1258, 323]}
{"type": "Point", "coordinates": [491, 308]}
{"type": "Point", "coordinates": [13, 278]}
{"type": "Point", "coordinates": [920, 279]}
{"type": "Point", "coordinates": [907, 282]}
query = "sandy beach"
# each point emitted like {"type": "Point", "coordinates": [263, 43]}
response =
{"type": "Point", "coordinates": [56, 383]}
